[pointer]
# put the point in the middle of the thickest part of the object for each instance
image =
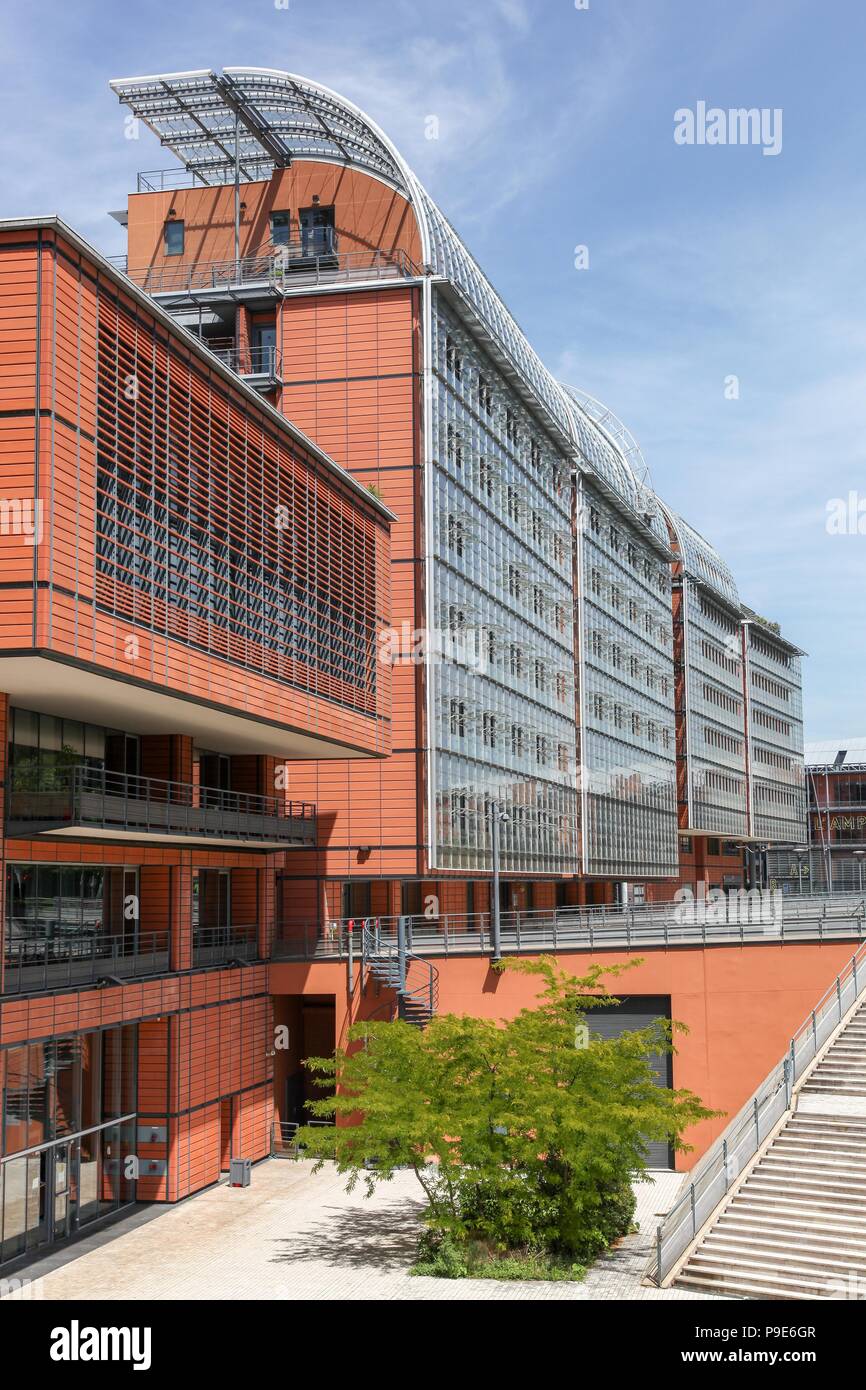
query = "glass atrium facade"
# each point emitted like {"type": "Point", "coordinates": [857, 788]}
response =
{"type": "Point", "coordinates": [503, 710]}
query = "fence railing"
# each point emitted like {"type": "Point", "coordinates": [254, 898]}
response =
{"type": "Point", "coordinates": [725, 1160]}
{"type": "Point", "coordinates": [247, 361]}
{"type": "Point", "coordinates": [53, 959]}
{"type": "Point", "coordinates": [216, 945]}
{"type": "Point", "coordinates": [92, 797]}
{"type": "Point", "coordinates": [284, 1137]}
{"type": "Point", "coordinates": [629, 928]}
{"type": "Point", "coordinates": [278, 269]}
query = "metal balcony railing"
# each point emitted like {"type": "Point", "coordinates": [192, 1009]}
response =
{"type": "Point", "coordinates": [217, 945]}
{"type": "Point", "coordinates": [54, 957]}
{"type": "Point", "coordinates": [809, 918]}
{"type": "Point", "coordinates": [85, 798]}
{"type": "Point", "coordinates": [166, 180]}
{"type": "Point", "coordinates": [274, 271]}
{"type": "Point", "coordinates": [247, 361]}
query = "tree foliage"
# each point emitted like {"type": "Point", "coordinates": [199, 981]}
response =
{"type": "Point", "coordinates": [523, 1134]}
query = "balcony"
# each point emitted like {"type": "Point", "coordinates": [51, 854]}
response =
{"type": "Point", "coordinates": [261, 367]}
{"type": "Point", "coordinates": [271, 274]}
{"type": "Point", "coordinates": [222, 945]}
{"type": "Point", "coordinates": [55, 957]}
{"type": "Point", "coordinates": [84, 802]}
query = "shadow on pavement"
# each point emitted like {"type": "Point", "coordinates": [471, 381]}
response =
{"type": "Point", "coordinates": [358, 1237]}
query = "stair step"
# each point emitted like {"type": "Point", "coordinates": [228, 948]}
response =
{"type": "Point", "coordinates": [770, 1284]}
{"type": "Point", "coordinates": [759, 1208]}
{"type": "Point", "coordinates": [799, 1196]}
{"type": "Point", "coordinates": [796, 1204]}
{"type": "Point", "coordinates": [762, 1235]}
{"type": "Point", "coordinates": [814, 1148]}
{"type": "Point", "coordinates": [731, 1288]}
{"type": "Point", "coordinates": [794, 1165]}
{"type": "Point", "coordinates": [780, 1177]}
{"type": "Point", "coordinates": [774, 1253]}
{"type": "Point", "coordinates": [754, 1267]}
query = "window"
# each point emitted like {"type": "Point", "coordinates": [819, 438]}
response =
{"type": "Point", "coordinates": [517, 740]}
{"type": "Point", "coordinates": [455, 535]}
{"type": "Point", "coordinates": [489, 730]}
{"type": "Point", "coordinates": [173, 235]}
{"type": "Point", "coordinates": [458, 718]}
{"type": "Point", "coordinates": [485, 395]}
{"type": "Point", "coordinates": [453, 358]}
{"type": "Point", "coordinates": [454, 446]}
{"type": "Point", "coordinates": [280, 228]}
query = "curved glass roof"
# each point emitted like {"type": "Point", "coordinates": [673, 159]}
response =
{"type": "Point", "coordinates": [617, 432]}
{"type": "Point", "coordinates": [281, 117]}
{"type": "Point", "coordinates": [272, 117]}
{"type": "Point", "coordinates": [604, 453]}
{"type": "Point", "coordinates": [701, 561]}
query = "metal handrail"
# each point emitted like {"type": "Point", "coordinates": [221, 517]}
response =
{"type": "Point", "coordinates": [95, 796]}
{"type": "Point", "coordinates": [725, 1160]}
{"type": "Point", "coordinates": [225, 942]}
{"type": "Point", "coordinates": [247, 361]}
{"type": "Point", "coordinates": [833, 917]}
{"type": "Point", "coordinates": [375, 948]}
{"type": "Point", "coordinates": [36, 961]}
{"type": "Point", "coordinates": [275, 268]}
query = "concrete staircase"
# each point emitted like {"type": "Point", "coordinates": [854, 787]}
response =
{"type": "Point", "coordinates": [795, 1227]}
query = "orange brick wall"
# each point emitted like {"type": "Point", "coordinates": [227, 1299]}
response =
{"type": "Point", "coordinates": [351, 368]}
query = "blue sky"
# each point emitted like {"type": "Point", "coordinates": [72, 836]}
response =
{"type": "Point", "coordinates": [556, 130]}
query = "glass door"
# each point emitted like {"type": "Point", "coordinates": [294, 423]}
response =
{"type": "Point", "coordinates": [61, 1186]}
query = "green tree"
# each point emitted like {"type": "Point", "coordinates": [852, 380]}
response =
{"type": "Point", "coordinates": [524, 1134]}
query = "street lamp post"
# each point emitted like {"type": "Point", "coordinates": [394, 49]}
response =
{"type": "Point", "coordinates": [497, 817]}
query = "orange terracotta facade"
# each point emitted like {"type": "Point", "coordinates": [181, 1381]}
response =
{"type": "Point", "coordinates": [740, 1004]}
{"type": "Point", "coordinates": [90, 375]}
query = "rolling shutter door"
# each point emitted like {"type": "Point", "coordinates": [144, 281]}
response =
{"type": "Point", "coordinates": [634, 1012]}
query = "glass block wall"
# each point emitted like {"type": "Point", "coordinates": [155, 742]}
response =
{"type": "Point", "coordinates": [715, 735]}
{"type": "Point", "coordinates": [502, 695]}
{"type": "Point", "coordinates": [775, 695]}
{"type": "Point", "coordinates": [628, 737]}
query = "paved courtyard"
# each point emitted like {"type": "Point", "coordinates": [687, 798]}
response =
{"type": "Point", "coordinates": [296, 1234]}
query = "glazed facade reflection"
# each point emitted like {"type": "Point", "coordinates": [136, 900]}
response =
{"type": "Point", "coordinates": [503, 712]}
{"type": "Point", "coordinates": [628, 738]}
{"type": "Point", "coordinates": [67, 1135]}
{"type": "Point", "coordinates": [776, 773]}
{"type": "Point", "coordinates": [716, 767]}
